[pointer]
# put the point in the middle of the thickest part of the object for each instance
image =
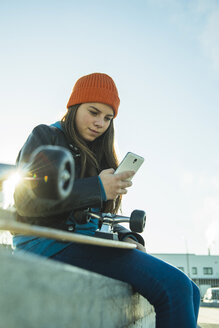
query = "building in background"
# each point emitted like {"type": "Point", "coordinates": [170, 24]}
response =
{"type": "Point", "coordinates": [202, 269]}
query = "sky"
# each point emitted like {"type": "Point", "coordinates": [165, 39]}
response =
{"type": "Point", "coordinates": [164, 58]}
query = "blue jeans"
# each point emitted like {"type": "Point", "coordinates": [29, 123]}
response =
{"type": "Point", "coordinates": [174, 296]}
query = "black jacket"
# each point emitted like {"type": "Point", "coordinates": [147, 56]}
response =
{"type": "Point", "coordinates": [86, 192]}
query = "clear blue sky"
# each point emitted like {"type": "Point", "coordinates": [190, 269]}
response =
{"type": "Point", "coordinates": [164, 58]}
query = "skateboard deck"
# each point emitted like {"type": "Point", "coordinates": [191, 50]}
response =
{"type": "Point", "coordinates": [7, 223]}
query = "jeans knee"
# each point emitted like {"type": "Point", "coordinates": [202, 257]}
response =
{"type": "Point", "coordinates": [176, 288]}
{"type": "Point", "coordinates": [181, 285]}
{"type": "Point", "coordinates": [196, 291]}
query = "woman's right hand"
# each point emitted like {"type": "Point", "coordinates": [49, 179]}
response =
{"type": "Point", "coordinates": [115, 184]}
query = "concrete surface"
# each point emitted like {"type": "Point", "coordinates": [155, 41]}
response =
{"type": "Point", "coordinates": [208, 317]}
{"type": "Point", "coordinates": [40, 293]}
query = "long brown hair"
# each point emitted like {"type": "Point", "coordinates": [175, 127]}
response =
{"type": "Point", "coordinates": [95, 156]}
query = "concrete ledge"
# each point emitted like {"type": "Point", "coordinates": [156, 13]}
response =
{"type": "Point", "coordinates": [40, 293]}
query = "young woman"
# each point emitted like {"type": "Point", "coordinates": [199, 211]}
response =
{"type": "Point", "coordinates": [87, 131]}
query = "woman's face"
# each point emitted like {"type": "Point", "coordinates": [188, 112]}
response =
{"type": "Point", "coordinates": [92, 120]}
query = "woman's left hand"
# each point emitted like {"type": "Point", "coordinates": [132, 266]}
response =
{"type": "Point", "coordinates": [140, 247]}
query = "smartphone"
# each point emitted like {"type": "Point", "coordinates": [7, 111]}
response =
{"type": "Point", "coordinates": [131, 162]}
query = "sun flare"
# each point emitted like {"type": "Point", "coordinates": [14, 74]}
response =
{"type": "Point", "coordinates": [8, 189]}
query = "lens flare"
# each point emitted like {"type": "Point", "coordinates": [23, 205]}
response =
{"type": "Point", "coordinates": [8, 189]}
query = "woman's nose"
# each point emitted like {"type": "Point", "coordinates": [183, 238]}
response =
{"type": "Point", "coordinates": [99, 122]}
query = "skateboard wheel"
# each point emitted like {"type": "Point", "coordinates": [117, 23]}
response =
{"type": "Point", "coordinates": [51, 172]}
{"type": "Point", "coordinates": [137, 221]}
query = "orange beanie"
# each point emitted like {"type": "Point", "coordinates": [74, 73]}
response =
{"type": "Point", "coordinates": [96, 87]}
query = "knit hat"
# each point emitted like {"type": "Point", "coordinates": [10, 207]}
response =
{"type": "Point", "coordinates": [96, 87]}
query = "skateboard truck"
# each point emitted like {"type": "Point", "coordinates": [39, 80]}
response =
{"type": "Point", "coordinates": [107, 221]}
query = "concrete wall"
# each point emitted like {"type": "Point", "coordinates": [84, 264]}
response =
{"type": "Point", "coordinates": [40, 293]}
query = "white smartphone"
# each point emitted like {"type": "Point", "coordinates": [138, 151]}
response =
{"type": "Point", "coordinates": [131, 162]}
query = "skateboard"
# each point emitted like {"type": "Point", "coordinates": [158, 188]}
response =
{"type": "Point", "coordinates": [50, 175]}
